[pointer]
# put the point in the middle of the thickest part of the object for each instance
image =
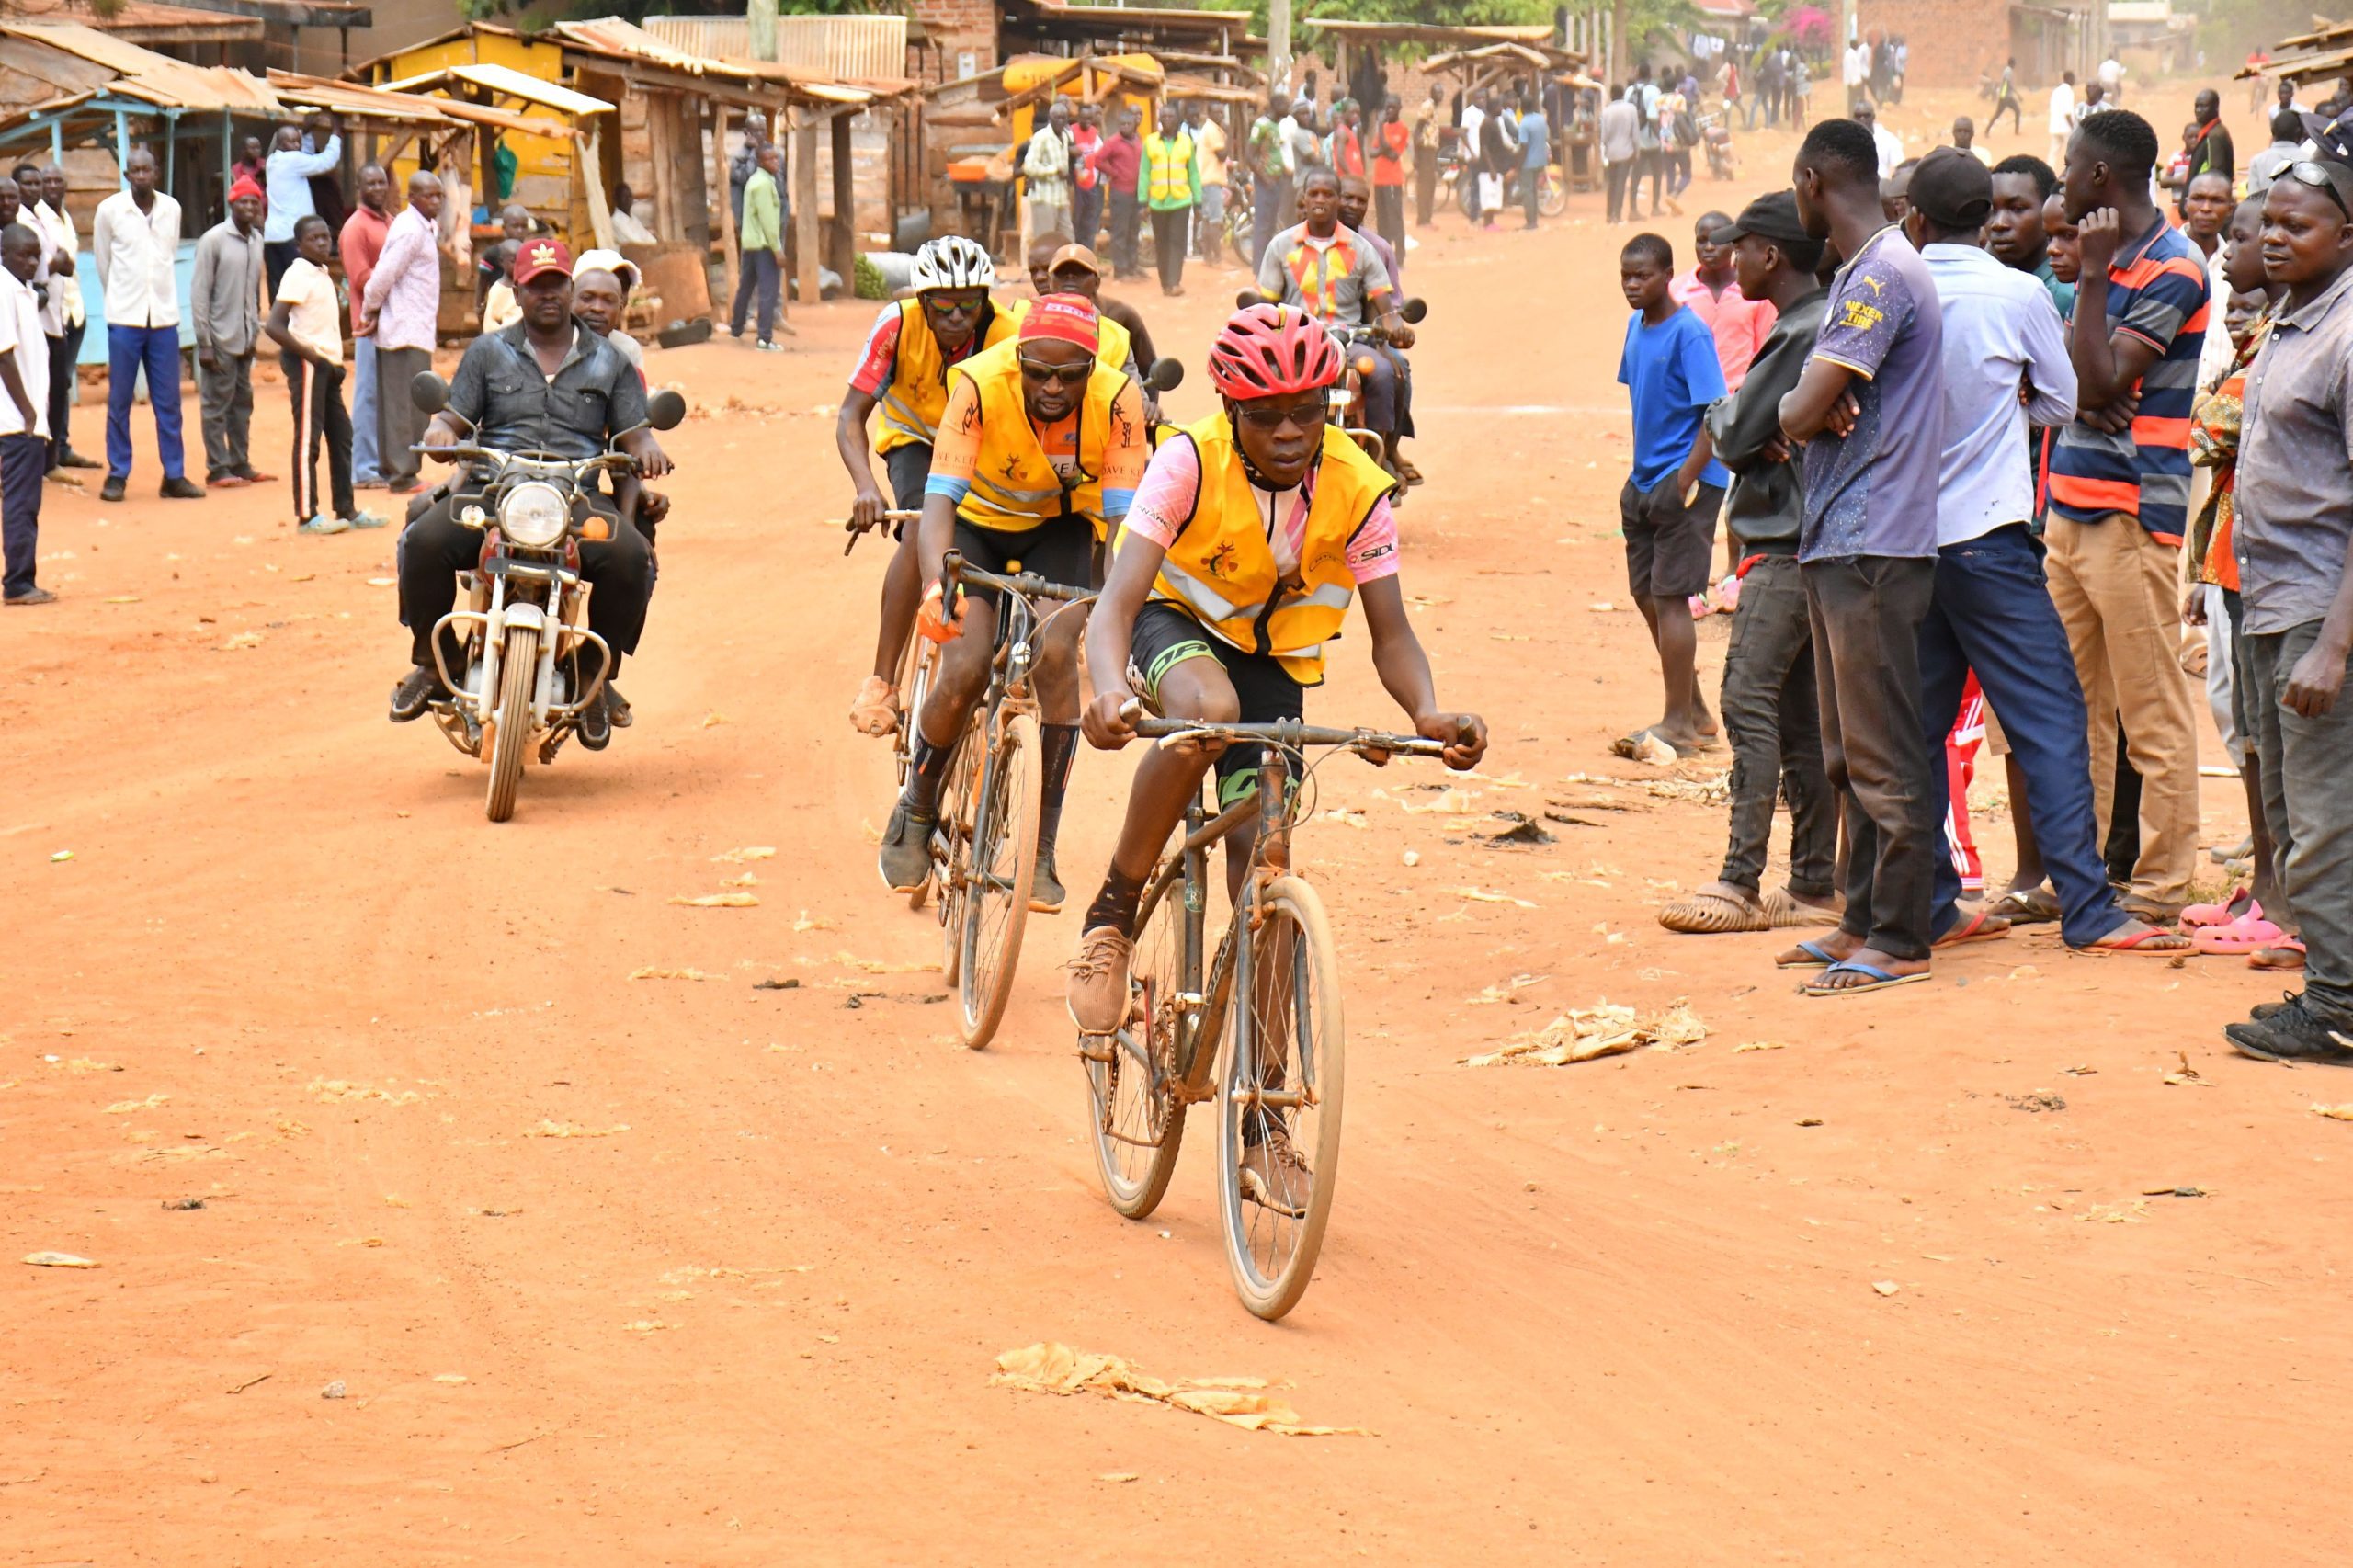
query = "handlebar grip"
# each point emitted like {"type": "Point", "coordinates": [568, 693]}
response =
{"type": "Point", "coordinates": [951, 572]}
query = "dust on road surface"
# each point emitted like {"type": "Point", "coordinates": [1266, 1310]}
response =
{"type": "Point", "coordinates": [680, 1270]}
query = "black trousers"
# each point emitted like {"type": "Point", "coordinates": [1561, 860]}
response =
{"type": "Point", "coordinates": [1615, 177]}
{"type": "Point", "coordinates": [399, 425]}
{"type": "Point", "coordinates": [1127, 216]}
{"type": "Point", "coordinates": [1772, 715]}
{"type": "Point", "coordinates": [1171, 230]}
{"type": "Point", "coordinates": [1649, 163]}
{"type": "Point", "coordinates": [318, 416]}
{"type": "Point", "coordinates": [23, 460]}
{"type": "Point", "coordinates": [277, 256]}
{"type": "Point", "coordinates": [434, 549]}
{"type": "Point", "coordinates": [1389, 217]}
{"type": "Point", "coordinates": [760, 274]}
{"type": "Point", "coordinates": [1867, 614]}
{"type": "Point", "coordinates": [62, 353]}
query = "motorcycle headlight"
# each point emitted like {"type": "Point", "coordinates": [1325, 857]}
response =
{"type": "Point", "coordinates": [533, 515]}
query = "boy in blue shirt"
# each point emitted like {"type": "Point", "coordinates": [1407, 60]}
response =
{"type": "Point", "coordinates": [1668, 506]}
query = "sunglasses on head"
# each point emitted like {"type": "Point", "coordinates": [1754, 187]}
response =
{"type": "Point", "coordinates": [2306, 171]}
{"type": "Point", "coordinates": [1303, 416]}
{"type": "Point", "coordinates": [1068, 375]}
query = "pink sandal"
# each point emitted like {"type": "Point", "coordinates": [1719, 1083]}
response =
{"type": "Point", "coordinates": [2199, 915]}
{"type": "Point", "coordinates": [2287, 953]}
{"type": "Point", "coordinates": [2249, 933]}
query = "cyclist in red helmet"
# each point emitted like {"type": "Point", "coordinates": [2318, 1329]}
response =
{"type": "Point", "coordinates": [1252, 532]}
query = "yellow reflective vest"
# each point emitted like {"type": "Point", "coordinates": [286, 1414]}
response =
{"type": "Point", "coordinates": [1015, 486]}
{"type": "Point", "coordinates": [916, 395]}
{"type": "Point", "coordinates": [1114, 344]}
{"type": "Point", "coordinates": [1222, 569]}
{"type": "Point", "coordinates": [1168, 171]}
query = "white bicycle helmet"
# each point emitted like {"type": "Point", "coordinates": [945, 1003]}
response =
{"type": "Point", "coordinates": [954, 262]}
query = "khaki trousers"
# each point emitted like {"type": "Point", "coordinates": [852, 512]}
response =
{"type": "Point", "coordinates": [2114, 586]}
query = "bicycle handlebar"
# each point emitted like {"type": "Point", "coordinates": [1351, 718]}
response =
{"type": "Point", "coordinates": [1285, 732]}
{"type": "Point", "coordinates": [1028, 584]}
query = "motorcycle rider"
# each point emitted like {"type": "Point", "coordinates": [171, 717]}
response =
{"type": "Point", "coordinates": [548, 383]}
{"type": "Point", "coordinates": [1327, 270]}
{"type": "Point", "coordinates": [1040, 446]}
{"type": "Point", "coordinates": [903, 368]}
{"type": "Point", "coordinates": [1355, 198]}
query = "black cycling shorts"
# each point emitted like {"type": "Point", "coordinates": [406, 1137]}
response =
{"type": "Point", "coordinates": [1061, 552]}
{"type": "Point", "coordinates": [909, 467]}
{"type": "Point", "coordinates": [1166, 637]}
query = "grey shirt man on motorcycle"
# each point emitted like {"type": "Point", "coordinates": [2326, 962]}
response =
{"type": "Point", "coordinates": [547, 385]}
{"type": "Point", "coordinates": [1325, 268]}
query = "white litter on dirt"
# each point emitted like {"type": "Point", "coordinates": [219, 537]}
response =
{"type": "Point", "coordinates": [1237, 1402]}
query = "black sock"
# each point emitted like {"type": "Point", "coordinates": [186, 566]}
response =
{"type": "Point", "coordinates": [1115, 904]}
{"type": "Point", "coordinates": [923, 784]}
{"type": "Point", "coordinates": [1057, 749]}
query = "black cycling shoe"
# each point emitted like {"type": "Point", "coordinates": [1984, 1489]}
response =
{"type": "Point", "coordinates": [595, 725]}
{"type": "Point", "coordinates": [418, 690]}
{"type": "Point", "coordinates": [905, 858]}
{"type": "Point", "coordinates": [617, 707]}
{"type": "Point", "coordinates": [1046, 894]}
{"type": "Point", "coordinates": [2291, 1035]}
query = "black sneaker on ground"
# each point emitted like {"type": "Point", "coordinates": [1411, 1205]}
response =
{"type": "Point", "coordinates": [2291, 1035]}
{"type": "Point", "coordinates": [906, 856]}
{"type": "Point", "coordinates": [1046, 894]}
{"type": "Point", "coordinates": [596, 723]}
{"type": "Point", "coordinates": [2263, 1010]}
{"type": "Point", "coordinates": [112, 489]}
{"type": "Point", "coordinates": [418, 690]}
{"type": "Point", "coordinates": [180, 487]}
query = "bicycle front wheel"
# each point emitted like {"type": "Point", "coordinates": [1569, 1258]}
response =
{"type": "Point", "coordinates": [1278, 1103]}
{"type": "Point", "coordinates": [1136, 1120]}
{"type": "Point", "coordinates": [914, 684]}
{"type": "Point", "coordinates": [952, 842]}
{"type": "Point", "coordinates": [1003, 861]}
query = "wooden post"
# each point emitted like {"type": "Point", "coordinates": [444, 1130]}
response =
{"type": "Point", "coordinates": [724, 296]}
{"type": "Point", "coordinates": [804, 208]}
{"type": "Point", "coordinates": [759, 22]}
{"type": "Point", "coordinates": [843, 253]}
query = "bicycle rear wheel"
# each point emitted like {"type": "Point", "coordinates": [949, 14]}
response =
{"type": "Point", "coordinates": [1137, 1121]}
{"type": "Point", "coordinates": [1003, 861]}
{"type": "Point", "coordinates": [1279, 1103]}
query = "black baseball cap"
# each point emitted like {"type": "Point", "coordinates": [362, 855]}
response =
{"type": "Point", "coordinates": [1773, 217]}
{"type": "Point", "coordinates": [1952, 189]}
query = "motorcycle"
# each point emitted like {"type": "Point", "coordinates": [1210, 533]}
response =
{"type": "Point", "coordinates": [1716, 133]}
{"type": "Point", "coordinates": [522, 621]}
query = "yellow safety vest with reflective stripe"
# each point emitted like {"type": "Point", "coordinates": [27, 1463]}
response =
{"type": "Point", "coordinates": [1221, 568]}
{"type": "Point", "coordinates": [1115, 345]}
{"type": "Point", "coordinates": [916, 395]}
{"type": "Point", "coordinates": [1015, 486]}
{"type": "Point", "coordinates": [1167, 165]}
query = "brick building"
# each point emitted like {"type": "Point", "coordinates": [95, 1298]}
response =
{"type": "Point", "coordinates": [1953, 40]}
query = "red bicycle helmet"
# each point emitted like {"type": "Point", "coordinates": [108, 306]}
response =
{"type": "Point", "coordinates": [1268, 350]}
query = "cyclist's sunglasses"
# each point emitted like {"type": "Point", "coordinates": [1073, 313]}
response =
{"type": "Point", "coordinates": [1068, 375]}
{"type": "Point", "coordinates": [1298, 416]}
{"type": "Point", "coordinates": [2308, 171]}
{"type": "Point", "coordinates": [941, 303]}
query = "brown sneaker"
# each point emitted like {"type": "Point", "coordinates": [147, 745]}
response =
{"type": "Point", "coordinates": [1099, 980]}
{"type": "Point", "coordinates": [876, 710]}
{"type": "Point", "coordinates": [1273, 1176]}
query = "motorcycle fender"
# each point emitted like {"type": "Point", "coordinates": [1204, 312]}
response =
{"type": "Point", "coordinates": [526, 614]}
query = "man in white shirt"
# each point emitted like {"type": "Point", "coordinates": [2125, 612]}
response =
{"type": "Point", "coordinates": [2111, 81]}
{"type": "Point", "coordinates": [1890, 145]}
{"type": "Point", "coordinates": [135, 236]}
{"type": "Point", "coordinates": [2063, 118]}
{"type": "Point", "coordinates": [62, 316]}
{"type": "Point", "coordinates": [288, 170]}
{"type": "Point", "coordinates": [24, 423]}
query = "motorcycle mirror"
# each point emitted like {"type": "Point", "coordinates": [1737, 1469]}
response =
{"type": "Point", "coordinates": [1165, 375]}
{"type": "Point", "coordinates": [428, 391]}
{"type": "Point", "coordinates": [665, 409]}
{"type": "Point", "coordinates": [1247, 298]}
{"type": "Point", "coordinates": [1413, 311]}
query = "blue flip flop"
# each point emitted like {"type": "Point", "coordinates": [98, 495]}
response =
{"type": "Point", "coordinates": [1879, 979]}
{"type": "Point", "coordinates": [1814, 955]}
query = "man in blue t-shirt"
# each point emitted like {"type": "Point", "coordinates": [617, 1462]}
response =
{"type": "Point", "coordinates": [1869, 411]}
{"type": "Point", "coordinates": [1668, 507]}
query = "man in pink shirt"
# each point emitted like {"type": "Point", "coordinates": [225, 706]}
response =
{"type": "Point", "coordinates": [400, 308]}
{"type": "Point", "coordinates": [1739, 323]}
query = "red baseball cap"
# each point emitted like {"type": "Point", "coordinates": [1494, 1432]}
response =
{"type": "Point", "coordinates": [542, 255]}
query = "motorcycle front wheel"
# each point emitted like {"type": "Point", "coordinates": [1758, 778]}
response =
{"type": "Point", "coordinates": [518, 673]}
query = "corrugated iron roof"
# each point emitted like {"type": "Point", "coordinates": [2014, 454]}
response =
{"type": "Point", "coordinates": [144, 75]}
{"type": "Point", "coordinates": [508, 80]}
{"type": "Point", "coordinates": [617, 40]}
{"type": "Point", "coordinates": [141, 20]}
{"type": "Point", "coordinates": [850, 49]}
{"type": "Point", "coordinates": [354, 101]}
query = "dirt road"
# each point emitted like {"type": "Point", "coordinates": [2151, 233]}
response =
{"type": "Point", "coordinates": [680, 1271]}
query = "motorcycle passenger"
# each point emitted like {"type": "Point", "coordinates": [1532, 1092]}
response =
{"type": "Point", "coordinates": [601, 282]}
{"type": "Point", "coordinates": [1074, 270]}
{"type": "Point", "coordinates": [1250, 535]}
{"type": "Point", "coordinates": [1356, 197]}
{"type": "Point", "coordinates": [1329, 271]}
{"type": "Point", "coordinates": [1039, 449]}
{"type": "Point", "coordinates": [547, 385]}
{"type": "Point", "coordinates": [903, 368]}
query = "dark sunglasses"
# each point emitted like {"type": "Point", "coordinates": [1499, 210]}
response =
{"type": "Point", "coordinates": [948, 304]}
{"type": "Point", "coordinates": [2306, 171]}
{"type": "Point", "coordinates": [1302, 416]}
{"type": "Point", "coordinates": [1068, 375]}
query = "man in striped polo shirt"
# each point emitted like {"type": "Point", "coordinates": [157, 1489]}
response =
{"type": "Point", "coordinates": [2119, 493]}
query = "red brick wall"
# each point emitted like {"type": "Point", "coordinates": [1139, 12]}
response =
{"type": "Point", "coordinates": [960, 25]}
{"type": "Point", "coordinates": [1952, 40]}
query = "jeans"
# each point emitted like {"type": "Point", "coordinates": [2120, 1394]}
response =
{"type": "Point", "coordinates": [1990, 612]}
{"type": "Point", "coordinates": [399, 424]}
{"type": "Point", "coordinates": [1867, 614]}
{"type": "Point", "coordinates": [23, 460]}
{"type": "Point", "coordinates": [1170, 227]}
{"type": "Point", "coordinates": [2219, 657]}
{"type": "Point", "coordinates": [760, 274]}
{"type": "Point", "coordinates": [65, 352]}
{"type": "Point", "coordinates": [2305, 765]}
{"type": "Point", "coordinates": [1614, 178]}
{"type": "Point", "coordinates": [1269, 207]}
{"type": "Point", "coordinates": [319, 415]}
{"type": "Point", "coordinates": [1127, 219]}
{"type": "Point", "coordinates": [1531, 192]}
{"type": "Point", "coordinates": [1776, 730]}
{"type": "Point", "coordinates": [157, 349]}
{"type": "Point", "coordinates": [225, 404]}
{"type": "Point", "coordinates": [367, 468]}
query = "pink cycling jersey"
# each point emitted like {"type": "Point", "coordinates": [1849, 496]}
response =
{"type": "Point", "coordinates": [1171, 484]}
